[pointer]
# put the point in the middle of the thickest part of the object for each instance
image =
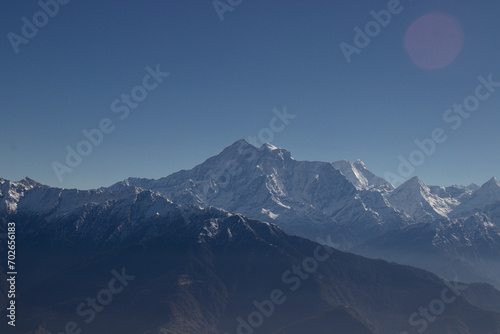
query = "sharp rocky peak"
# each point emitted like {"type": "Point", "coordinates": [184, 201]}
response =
{"type": "Point", "coordinates": [28, 182]}
{"type": "Point", "coordinates": [493, 182]}
{"type": "Point", "coordinates": [250, 152]}
{"type": "Point", "coordinates": [414, 183]}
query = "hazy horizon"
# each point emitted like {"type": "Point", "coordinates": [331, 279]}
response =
{"type": "Point", "coordinates": [138, 176]}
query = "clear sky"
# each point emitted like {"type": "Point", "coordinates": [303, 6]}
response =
{"type": "Point", "coordinates": [226, 77]}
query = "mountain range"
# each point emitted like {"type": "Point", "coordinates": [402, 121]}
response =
{"type": "Point", "coordinates": [348, 207]}
{"type": "Point", "coordinates": [209, 248]}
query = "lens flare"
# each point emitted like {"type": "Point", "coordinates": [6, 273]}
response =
{"type": "Point", "coordinates": [434, 40]}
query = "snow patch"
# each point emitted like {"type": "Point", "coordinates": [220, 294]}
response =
{"type": "Point", "coordinates": [269, 213]}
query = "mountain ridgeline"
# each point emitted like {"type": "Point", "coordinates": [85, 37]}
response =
{"type": "Point", "coordinates": [253, 241]}
{"type": "Point", "coordinates": [452, 231]}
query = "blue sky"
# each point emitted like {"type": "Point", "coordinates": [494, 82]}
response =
{"type": "Point", "coordinates": [226, 77]}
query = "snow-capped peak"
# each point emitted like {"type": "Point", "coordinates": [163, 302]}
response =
{"type": "Point", "coordinates": [414, 183]}
{"type": "Point", "coordinates": [268, 150]}
{"type": "Point", "coordinates": [472, 187]}
{"type": "Point", "coordinates": [360, 176]}
{"type": "Point", "coordinates": [492, 183]}
{"type": "Point", "coordinates": [488, 194]}
{"type": "Point", "coordinates": [415, 198]}
{"type": "Point", "coordinates": [489, 191]}
{"type": "Point", "coordinates": [358, 162]}
{"type": "Point", "coordinates": [268, 147]}
{"type": "Point", "coordinates": [30, 183]}
{"type": "Point", "coordinates": [238, 147]}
